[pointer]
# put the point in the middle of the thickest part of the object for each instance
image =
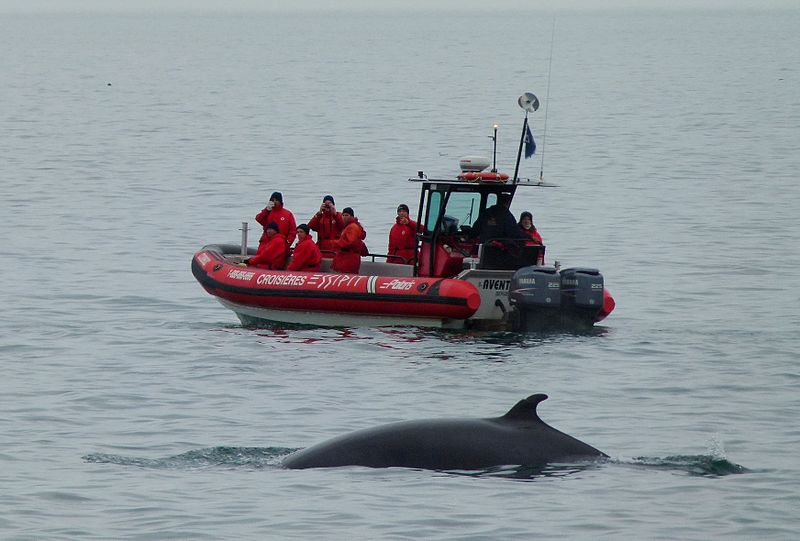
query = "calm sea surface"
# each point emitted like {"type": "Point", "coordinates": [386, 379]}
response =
{"type": "Point", "coordinates": [132, 405]}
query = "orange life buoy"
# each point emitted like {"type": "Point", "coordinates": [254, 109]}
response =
{"type": "Point", "coordinates": [497, 177]}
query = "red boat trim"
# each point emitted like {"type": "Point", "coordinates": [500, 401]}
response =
{"type": "Point", "coordinates": [430, 297]}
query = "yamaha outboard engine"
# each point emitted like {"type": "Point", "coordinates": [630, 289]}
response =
{"type": "Point", "coordinates": [535, 298]}
{"type": "Point", "coordinates": [544, 298]}
{"type": "Point", "coordinates": [581, 295]}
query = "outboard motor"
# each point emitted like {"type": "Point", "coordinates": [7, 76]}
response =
{"type": "Point", "coordinates": [581, 295]}
{"type": "Point", "coordinates": [535, 298]}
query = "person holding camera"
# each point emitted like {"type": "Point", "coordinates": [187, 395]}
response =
{"type": "Point", "coordinates": [403, 238]}
{"type": "Point", "coordinates": [276, 212]}
{"type": "Point", "coordinates": [328, 224]}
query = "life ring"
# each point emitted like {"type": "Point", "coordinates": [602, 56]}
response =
{"type": "Point", "coordinates": [497, 177]}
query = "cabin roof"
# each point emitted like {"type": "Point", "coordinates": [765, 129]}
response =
{"type": "Point", "coordinates": [481, 183]}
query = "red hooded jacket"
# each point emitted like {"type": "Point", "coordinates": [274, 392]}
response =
{"type": "Point", "coordinates": [284, 218]}
{"type": "Point", "coordinates": [533, 235]}
{"type": "Point", "coordinates": [403, 241]}
{"type": "Point", "coordinates": [349, 248]}
{"type": "Point", "coordinates": [271, 254]}
{"type": "Point", "coordinates": [329, 227]}
{"type": "Point", "coordinates": [306, 256]}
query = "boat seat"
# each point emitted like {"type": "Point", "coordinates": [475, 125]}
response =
{"type": "Point", "coordinates": [373, 268]}
{"type": "Point", "coordinates": [324, 265]}
{"type": "Point", "coordinates": [379, 268]}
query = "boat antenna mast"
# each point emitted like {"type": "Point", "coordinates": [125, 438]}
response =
{"type": "Point", "coordinates": [547, 99]}
{"type": "Point", "coordinates": [529, 103]}
{"type": "Point", "coordinates": [494, 150]}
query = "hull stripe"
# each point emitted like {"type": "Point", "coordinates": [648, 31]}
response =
{"type": "Point", "coordinates": [210, 283]}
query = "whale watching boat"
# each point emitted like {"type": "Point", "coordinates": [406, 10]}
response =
{"type": "Point", "coordinates": [457, 279]}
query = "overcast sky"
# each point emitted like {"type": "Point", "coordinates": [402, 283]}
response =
{"type": "Point", "coordinates": [28, 6]}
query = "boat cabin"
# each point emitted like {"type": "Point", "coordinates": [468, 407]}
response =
{"type": "Point", "coordinates": [448, 240]}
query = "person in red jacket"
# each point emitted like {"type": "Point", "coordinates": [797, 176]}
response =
{"type": "Point", "coordinates": [526, 224]}
{"type": "Point", "coordinates": [328, 224]}
{"type": "Point", "coordinates": [350, 245]}
{"type": "Point", "coordinates": [271, 254]}
{"type": "Point", "coordinates": [276, 212]}
{"type": "Point", "coordinates": [403, 238]}
{"type": "Point", "coordinates": [306, 256]}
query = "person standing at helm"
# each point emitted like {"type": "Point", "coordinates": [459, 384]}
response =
{"type": "Point", "coordinates": [327, 223]}
{"type": "Point", "coordinates": [350, 245]}
{"type": "Point", "coordinates": [402, 238]}
{"type": "Point", "coordinates": [497, 222]}
{"type": "Point", "coordinates": [306, 256]}
{"type": "Point", "coordinates": [276, 212]}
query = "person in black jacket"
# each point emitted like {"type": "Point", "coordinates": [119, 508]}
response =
{"type": "Point", "coordinates": [497, 222]}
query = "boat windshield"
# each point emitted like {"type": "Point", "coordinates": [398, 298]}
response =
{"type": "Point", "coordinates": [463, 209]}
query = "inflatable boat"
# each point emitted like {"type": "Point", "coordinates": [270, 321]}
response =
{"type": "Point", "coordinates": [456, 279]}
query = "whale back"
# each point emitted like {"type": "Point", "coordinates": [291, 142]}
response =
{"type": "Point", "coordinates": [519, 437]}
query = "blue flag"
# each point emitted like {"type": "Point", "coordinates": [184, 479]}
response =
{"type": "Point", "coordinates": [530, 144]}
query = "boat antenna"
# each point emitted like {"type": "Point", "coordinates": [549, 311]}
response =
{"type": "Point", "coordinates": [547, 99]}
{"type": "Point", "coordinates": [530, 103]}
{"type": "Point", "coordinates": [494, 151]}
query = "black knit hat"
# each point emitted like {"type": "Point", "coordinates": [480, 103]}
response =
{"type": "Point", "coordinates": [273, 225]}
{"type": "Point", "coordinates": [277, 196]}
{"type": "Point", "coordinates": [348, 210]}
{"type": "Point", "coordinates": [304, 227]}
{"type": "Point", "coordinates": [402, 206]}
{"type": "Point", "coordinates": [329, 197]}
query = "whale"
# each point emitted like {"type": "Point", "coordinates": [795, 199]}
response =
{"type": "Point", "coordinates": [518, 438]}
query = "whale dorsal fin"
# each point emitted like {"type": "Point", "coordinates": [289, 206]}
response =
{"type": "Point", "coordinates": [525, 410]}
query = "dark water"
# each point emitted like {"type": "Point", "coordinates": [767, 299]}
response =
{"type": "Point", "coordinates": [133, 405]}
